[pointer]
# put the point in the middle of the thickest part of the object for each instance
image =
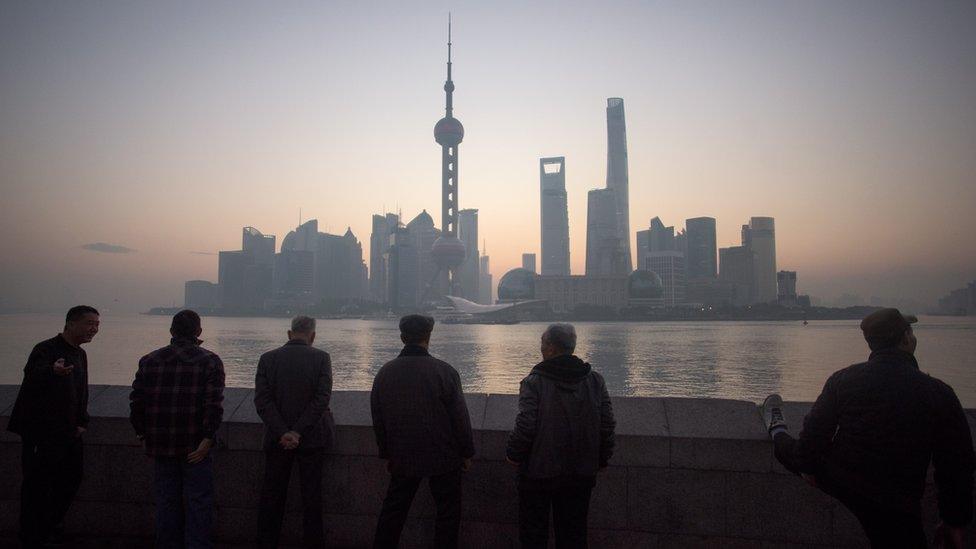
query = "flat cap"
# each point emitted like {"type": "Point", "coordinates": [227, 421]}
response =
{"type": "Point", "coordinates": [885, 324]}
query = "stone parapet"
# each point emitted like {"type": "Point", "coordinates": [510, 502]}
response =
{"type": "Point", "coordinates": [686, 472]}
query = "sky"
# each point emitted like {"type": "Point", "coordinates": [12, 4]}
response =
{"type": "Point", "coordinates": [137, 139]}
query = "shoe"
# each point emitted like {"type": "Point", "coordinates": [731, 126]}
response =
{"type": "Point", "coordinates": [772, 412]}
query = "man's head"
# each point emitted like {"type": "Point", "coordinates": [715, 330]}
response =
{"type": "Point", "coordinates": [558, 339]}
{"type": "Point", "coordinates": [302, 328]}
{"type": "Point", "coordinates": [416, 329]}
{"type": "Point", "coordinates": [186, 325]}
{"type": "Point", "coordinates": [80, 324]}
{"type": "Point", "coordinates": [889, 329]}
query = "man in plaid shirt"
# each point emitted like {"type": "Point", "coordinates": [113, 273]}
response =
{"type": "Point", "coordinates": [176, 409]}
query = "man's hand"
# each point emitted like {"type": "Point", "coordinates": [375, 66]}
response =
{"type": "Point", "coordinates": [60, 369]}
{"type": "Point", "coordinates": [949, 537]}
{"type": "Point", "coordinates": [290, 440]}
{"type": "Point", "coordinates": [79, 431]}
{"type": "Point", "coordinates": [466, 464]}
{"type": "Point", "coordinates": [514, 464]}
{"type": "Point", "coordinates": [201, 452]}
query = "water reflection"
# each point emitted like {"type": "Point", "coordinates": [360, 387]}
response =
{"type": "Point", "coordinates": [715, 359]}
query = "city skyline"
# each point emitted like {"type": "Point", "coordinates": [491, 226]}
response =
{"type": "Point", "coordinates": [111, 193]}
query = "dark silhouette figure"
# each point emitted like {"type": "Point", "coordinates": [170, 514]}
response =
{"type": "Point", "coordinates": [176, 408]}
{"type": "Point", "coordinates": [292, 390]}
{"type": "Point", "coordinates": [50, 415]}
{"type": "Point", "coordinates": [564, 434]}
{"type": "Point", "coordinates": [872, 433]}
{"type": "Point", "coordinates": [423, 431]}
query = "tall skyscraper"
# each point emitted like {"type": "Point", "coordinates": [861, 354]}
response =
{"type": "Point", "coordinates": [608, 237]}
{"type": "Point", "coordinates": [485, 286]}
{"type": "Point", "coordinates": [700, 241]}
{"type": "Point", "coordinates": [670, 267]}
{"type": "Point", "coordinates": [602, 250]}
{"type": "Point", "coordinates": [760, 236]}
{"type": "Point", "coordinates": [259, 246]}
{"type": "Point", "coordinates": [528, 262]}
{"type": "Point", "coordinates": [379, 241]}
{"type": "Point", "coordinates": [448, 251]}
{"type": "Point", "coordinates": [617, 178]}
{"type": "Point", "coordinates": [736, 268]}
{"type": "Point", "coordinates": [554, 216]}
{"type": "Point", "coordinates": [470, 268]}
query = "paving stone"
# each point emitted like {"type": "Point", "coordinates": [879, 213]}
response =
{"type": "Point", "coordinates": [608, 503]}
{"type": "Point", "coordinates": [8, 394]}
{"type": "Point", "coordinates": [640, 416]}
{"type": "Point", "coordinates": [721, 454]}
{"type": "Point", "coordinates": [10, 456]}
{"type": "Point", "coordinates": [116, 473]}
{"type": "Point", "coordinates": [621, 539]}
{"type": "Point", "coordinates": [641, 451]}
{"type": "Point", "coordinates": [114, 431]}
{"type": "Point", "coordinates": [778, 508]}
{"type": "Point", "coordinates": [355, 441]}
{"type": "Point", "coordinates": [351, 408]}
{"type": "Point", "coordinates": [677, 501]}
{"type": "Point", "coordinates": [714, 418]}
{"type": "Point", "coordinates": [110, 519]}
{"type": "Point", "coordinates": [706, 542]}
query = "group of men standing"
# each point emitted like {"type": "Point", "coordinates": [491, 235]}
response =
{"type": "Point", "coordinates": [868, 440]}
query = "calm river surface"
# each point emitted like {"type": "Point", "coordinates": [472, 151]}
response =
{"type": "Point", "coordinates": [740, 360]}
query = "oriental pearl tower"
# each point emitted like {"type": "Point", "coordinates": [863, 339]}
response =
{"type": "Point", "coordinates": [448, 251]}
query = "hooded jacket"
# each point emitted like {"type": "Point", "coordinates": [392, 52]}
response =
{"type": "Point", "coordinates": [565, 425]}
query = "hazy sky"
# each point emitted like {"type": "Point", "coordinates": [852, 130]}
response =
{"type": "Point", "coordinates": [136, 139]}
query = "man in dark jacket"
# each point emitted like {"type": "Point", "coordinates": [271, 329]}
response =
{"type": "Point", "coordinates": [871, 434]}
{"type": "Point", "coordinates": [292, 390]}
{"type": "Point", "coordinates": [50, 415]}
{"type": "Point", "coordinates": [422, 430]}
{"type": "Point", "coordinates": [176, 408]}
{"type": "Point", "coordinates": [564, 435]}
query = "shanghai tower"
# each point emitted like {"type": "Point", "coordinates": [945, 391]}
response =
{"type": "Point", "coordinates": [608, 210]}
{"type": "Point", "coordinates": [448, 250]}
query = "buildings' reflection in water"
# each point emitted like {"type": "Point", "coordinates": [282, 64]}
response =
{"type": "Point", "coordinates": [744, 360]}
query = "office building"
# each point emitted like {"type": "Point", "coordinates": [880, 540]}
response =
{"type": "Point", "coordinates": [700, 248]}
{"type": "Point", "coordinates": [760, 236]}
{"type": "Point", "coordinates": [200, 295]}
{"type": "Point", "coordinates": [670, 267]}
{"type": "Point", "coordinates": [470, 268]}
{"type": "Point", "coordinates": [554, 216]}
{"type": "Point", "coordinates": [528, 262]}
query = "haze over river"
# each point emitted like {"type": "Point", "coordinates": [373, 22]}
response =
{"type": "Point", "coordinates": [739, 360]}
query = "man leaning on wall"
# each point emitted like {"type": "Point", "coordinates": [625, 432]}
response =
{"type": "Point", "coordinates": [871, 434]}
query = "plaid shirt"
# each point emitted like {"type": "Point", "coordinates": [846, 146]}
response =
{"type": "Point", "coordinates": [176, 397]}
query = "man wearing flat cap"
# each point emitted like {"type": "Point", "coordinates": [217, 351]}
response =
{"type": "Point", "coordinates": [871, 434]}
{"type": "Point", "coordinates": [423, 430]}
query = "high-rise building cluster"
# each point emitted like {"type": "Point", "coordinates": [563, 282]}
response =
{"type": "Point", "coordinates": [673, 269]}
{"type": "Point", "coordinates": [311, 268]}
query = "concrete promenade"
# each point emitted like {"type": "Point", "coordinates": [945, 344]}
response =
{"type": "Point", "coordinates": [686, 473]}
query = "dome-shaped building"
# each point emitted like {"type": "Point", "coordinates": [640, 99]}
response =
{"type": "Point", "coordinates": [644, 285]}
{"type": "Point", "coordinates": [517, 285]}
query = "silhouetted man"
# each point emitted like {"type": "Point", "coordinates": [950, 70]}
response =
{"type": "Point", "coordinates": [564, 435]}
{"type": "Point", "coordinates": [50, 415]}
{"type": "Point", "coordinates": [176, 408]}
{"type": "Point", "coordinates": [291, 393]}
{"type": "Point", "coordinates": [422, 430]}
{"type": "Point", "coordinates": [871, 434]}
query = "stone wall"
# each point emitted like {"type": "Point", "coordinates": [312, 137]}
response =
{"type": "Point", "coordinates": [686, 472]}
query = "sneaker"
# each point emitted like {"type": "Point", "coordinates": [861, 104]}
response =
{"type": "Point", "coordinates": [772, 412]}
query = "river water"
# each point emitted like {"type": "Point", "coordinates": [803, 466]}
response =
{"type": "Point", "coordinates": [739, 360]}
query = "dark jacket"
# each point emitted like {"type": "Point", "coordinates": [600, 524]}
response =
{"type": "Point", "coordinates": [877, 425]}
{"type": "Point", "coordinates": [565, 424]}
{"type": "Point", "coordinates": [49, 407]}
{"type": "Point", "coordinates": [419, 415]}
{"type": "Point", "coordinates": [177, 397]}
{"type": "Point", "coordinates": [292, 390]}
